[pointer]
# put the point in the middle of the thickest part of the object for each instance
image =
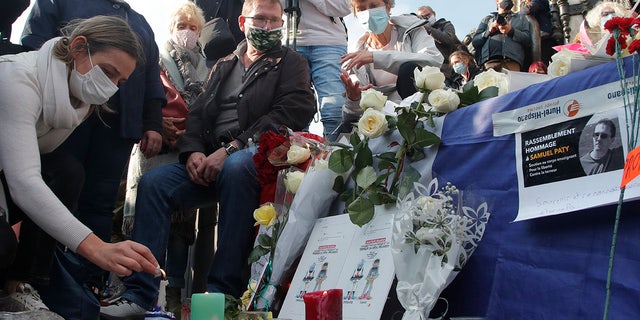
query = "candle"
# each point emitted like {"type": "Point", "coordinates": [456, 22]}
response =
{"type": "Point", "coordinates": [207, 306]}
{"type": "Point", "coordinates": [323, 305]}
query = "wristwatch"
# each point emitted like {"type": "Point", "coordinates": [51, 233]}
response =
{"type": "Point", "coordinates": [230, 148]}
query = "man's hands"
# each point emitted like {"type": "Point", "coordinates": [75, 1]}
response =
{"type": "Point", "coordinates": [495, 28]}
{"type": "Point", "coordinates": [204, 170]}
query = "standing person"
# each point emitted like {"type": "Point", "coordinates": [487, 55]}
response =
{"type": "Point", "coordinates": [322, 40]}
{"type": "Point", "coordinates": [540, 10]}
{"type": "Point", "coordinates": [11, 10]}
{"type": "Point", "coordinates": [184, 67]}
{"type": "Point", "coordinates": [443, 32]}
{"type": "Point", "coordinates": [386, 55]}
{"type": "Point", "coordinates": [49, 93]}
{"type": "Point", "coordinates": [103, 143]}
{"type": "Point", "coordinates": [259, 87]}
{"type": "Point", "coordinates": [502, 38]}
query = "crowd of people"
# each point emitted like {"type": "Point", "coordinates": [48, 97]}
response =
{"type": "Point", "coordinates": [93, 102]}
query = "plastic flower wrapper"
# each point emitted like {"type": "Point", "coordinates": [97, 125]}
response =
{"type": "Point", "coordinates": [434, 235]}
{"type": "Point", "coordinates": [312, 200]}
{"type": "Point", "coordinates": [280, 150]}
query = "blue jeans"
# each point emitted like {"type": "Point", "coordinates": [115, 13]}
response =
{"type": "Point", "coordinates": [166, 189]}
{"type": "Point", "coordinates": [324, 68]}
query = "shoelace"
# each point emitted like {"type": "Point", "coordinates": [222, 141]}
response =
{"type": "Point", "coordinates": [30, 295]}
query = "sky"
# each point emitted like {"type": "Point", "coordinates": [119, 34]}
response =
{"type": "Point", "coordinates": [464, 14]}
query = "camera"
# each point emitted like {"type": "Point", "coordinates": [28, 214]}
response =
{"type": "Point", "coordinates": [501, 19]}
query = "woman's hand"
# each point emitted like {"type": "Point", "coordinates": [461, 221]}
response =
{"type": "Point", "coordinates": [356, 59]}
{"type": "Point", "coordinates": [171, 133]}
{"type": "Point", "coordinates": [151, 144]}
{"type": "Point", "coordinates": [121, 258]}
{"type": "Point", "coordinates": [353, 89]}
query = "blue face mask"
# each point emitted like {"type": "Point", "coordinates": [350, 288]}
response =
{"type": "Point", "coordinates": [459, 68]}
{"type": "Point", "coordinates": [375, 20]}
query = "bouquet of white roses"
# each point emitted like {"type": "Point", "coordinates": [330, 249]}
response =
{"type": "Point", "coordinates": [434, 235]}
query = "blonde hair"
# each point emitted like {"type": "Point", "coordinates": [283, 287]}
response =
{"type": "Point", "coordinates": [102, 33]}
{"type": "Point", "coordinates": [593, 17]}
{"type": "Point", "coordinates": [190, 11]}
{"type": "Point", "coordinates": [464, 56]}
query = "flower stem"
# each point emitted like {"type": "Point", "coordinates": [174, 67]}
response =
{"type": "Point", "coordinates": [612, 254]}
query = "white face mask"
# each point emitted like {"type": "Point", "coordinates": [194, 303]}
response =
{"type": "Point", "coordinates": [185, 38]}
{"type": "Point", "coordinates": [431, 20]}
{"type": "Point", "coordinates": [93, 87]}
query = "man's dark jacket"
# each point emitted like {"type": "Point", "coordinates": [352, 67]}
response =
{"type": "Point", "coordinates": [276, 92]}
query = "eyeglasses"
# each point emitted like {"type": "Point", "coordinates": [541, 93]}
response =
{"type": "Point", "coordinates": [261, 22]}
{"type": "Point", "coordinates": [426, 16]}
{"type": "Point", "coordinates": [606, 13]}
{"type": "Point", "coordinates": [600, 135]}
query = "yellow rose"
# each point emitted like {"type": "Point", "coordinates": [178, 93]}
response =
{"type": "Point", "coordinates": [429, 78]}
{"type": "Point", "coordinates": [297, 154]}
{"type": "Point", "coordinates": [293, 180]}
{"type": "Point", "coordinates": [372, 124]}
{"type": "Point", "coordinates": [246, 296]}
{"type": "Point", "coordinates": [372, 98]}
{"type": "Point", "coordinates": [265, 215]}
{"type": "Point", "coordinates": [444, 100]}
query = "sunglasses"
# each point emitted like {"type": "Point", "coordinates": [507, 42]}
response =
{"type": "Point", "coordinates": [601, 135]}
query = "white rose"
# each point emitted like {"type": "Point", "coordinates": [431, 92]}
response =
{"type": "Point", "coordinates": [293, 180]}
{"type": "Point", "coordinates": [297, 154]}
{"type": "Point", "coordinates": [444, 100]}
{"type": "Point", "coordinates": [372, 98]}
{"type": "Point", "coordinates": [492, 78]}
{"type": "Point", "coordinates": [372, 124]}
{"type": "Point", "coordinates": [429, 235]}
{"type": "Point", "coordinates": [561, 62]}
{"type": "Point", "coordinates": [429, 78]}
{"type": "Point", "coordinates": [430, 205]}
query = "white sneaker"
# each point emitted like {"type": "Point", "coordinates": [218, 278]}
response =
{"type": "Point", "coordinates": [122, 309]}
{"type": "Point", "coordinates": [25, 298]}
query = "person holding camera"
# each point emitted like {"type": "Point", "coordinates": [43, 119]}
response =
{"type": "Point", "coordinates": [502, 38]}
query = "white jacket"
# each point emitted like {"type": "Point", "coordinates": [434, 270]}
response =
{"type": "Point", "coordinates": [36, 116]}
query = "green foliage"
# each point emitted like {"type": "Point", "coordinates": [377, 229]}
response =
{"type": "Point", "coordinates": [393, 177]}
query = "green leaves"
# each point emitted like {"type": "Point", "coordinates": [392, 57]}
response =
{"type": "Point", "coordinates": [361, 211]}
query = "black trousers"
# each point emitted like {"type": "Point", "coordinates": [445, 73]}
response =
{"type": "Point", "coordinates": [405, 85]}
{"type": "Point", "coordinates": [64, 176]}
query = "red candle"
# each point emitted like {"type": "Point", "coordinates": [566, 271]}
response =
{"type": "Point", "coordinates": [323, 305]}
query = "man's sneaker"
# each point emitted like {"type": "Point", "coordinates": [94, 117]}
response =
{"type": "Point", "coordinates": [122, 309]}
{"type": "Point", "coordinates": [25, 298]}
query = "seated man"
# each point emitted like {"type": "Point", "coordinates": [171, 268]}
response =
{"type": "Point", "coordinates": [258, 87]}
{"type": "Point", "coordinates": [502, 38]}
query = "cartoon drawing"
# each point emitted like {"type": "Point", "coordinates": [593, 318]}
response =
{"type": "Point", "coordinates": [322, 275]}
{"type": "Point", "coordinates": [307, 278]}
{"type": "Point", "coordinates": [355, 278]}
{"type": "Point", "coordinates": [371, 276]}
